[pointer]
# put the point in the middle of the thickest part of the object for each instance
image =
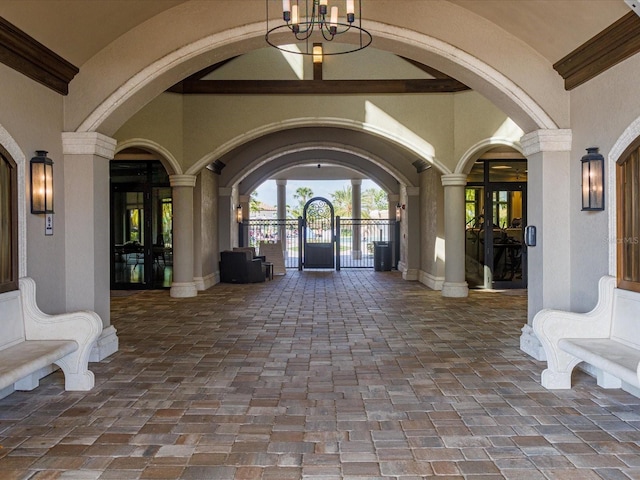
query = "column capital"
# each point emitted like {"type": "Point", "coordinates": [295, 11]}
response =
{"type": "Point", "coordinates": [557, 140]}
{"type": "Point", "coordinates": [88, 143]}
{"type": "Point", "coordinates": [356, 181]}
{"type": "Point", "coordinates": [282, 182]}
{"type": "Point", "coordinates": [225, 191]}
{"type": "Point", "coordinates": [454, 179]}
{"type": "Point", "coordinates": [182, 180]}
{"type": "Point", "coordinates": [244, 198]}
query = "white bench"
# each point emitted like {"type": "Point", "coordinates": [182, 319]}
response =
{"type": "Point", "coordinates": [33, 340]}
{"type": "Point", "coordinates": [607, 337]}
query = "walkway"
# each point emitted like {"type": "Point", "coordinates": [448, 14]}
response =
{"type": "Point", "coordinates": [352, 374]}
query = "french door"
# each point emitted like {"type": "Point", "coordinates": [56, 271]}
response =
{"type": "Point", "coordinates": [141, 228]}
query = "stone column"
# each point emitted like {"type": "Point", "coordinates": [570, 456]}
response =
{"type": "Point", "coordinates": [410, 234]}
{"type": "Point", "coordinates": [227, 230]}
{"type": "Point", "coordinates": [86, 231]}
{"type": "Point", "coordinates": [245, 203]}
{"type": "Point", "coordinates": [393, 199]}
{"type": "Point", "coordinates": [282, 213]}
{"type": "Point", "coordinates": [182, 189]}
{"type": "Point", "coordinates": [454, 232]}
{"type": "Point", "coordinates": [356, 213]}
{"type": "Point", "coordinates": [548, 155]}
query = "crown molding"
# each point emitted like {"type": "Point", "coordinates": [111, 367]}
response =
{"type": "Point", "coordinates": [614, 44]}
{"type": "Point", "coordinates": [29, 57]}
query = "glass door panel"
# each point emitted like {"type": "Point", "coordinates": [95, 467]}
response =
{"type": "Point", "coordinates": [162, 227]}
{"type": "Point", "coordinates": [128, 238]}
{"type": "Point", "coordinates": [505, 253]}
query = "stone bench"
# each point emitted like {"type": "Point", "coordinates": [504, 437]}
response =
{"type": "Point", "coordinates": [607, 338]}
{"type": "Point", "coordinates": [33, 340]}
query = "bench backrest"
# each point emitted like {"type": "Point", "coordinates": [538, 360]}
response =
{"type": "Point", "coordinates": [11, 321]}
{"type": "Point", "coordinates": [625, 326]}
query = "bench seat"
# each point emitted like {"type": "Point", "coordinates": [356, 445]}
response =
{"type": "Point", "coordinates": [25, 358]}
{"type": "Point", "coordinates": [611, 356]}
{"type": "Point", "coordinates": [32, 341]}
{"type": "Point", "coordinates": [607, 338]}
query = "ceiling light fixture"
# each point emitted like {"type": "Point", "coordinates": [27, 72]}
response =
{"type": "Point", "coordinates": [314, 20]}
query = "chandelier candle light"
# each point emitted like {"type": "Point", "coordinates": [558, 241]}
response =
{"type": "Point", "coordinates": [313, 20]}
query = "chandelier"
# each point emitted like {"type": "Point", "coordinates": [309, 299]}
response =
{"type": "Point", "coordinates": [309, 21]}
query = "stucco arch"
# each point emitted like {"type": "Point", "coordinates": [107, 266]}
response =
{"type": "Point", "coordinates": [420, 149]}
{"type": "Point", "coordinates": [13, 149]}
{"type": "Point", "coordinates": [166, 157]}
{"type": "Point", "coordinates": [129, 96]}
{"type": "Point", "coordinates": [466, 161]}
{"type": "Point", "coordinates": [305, 154]}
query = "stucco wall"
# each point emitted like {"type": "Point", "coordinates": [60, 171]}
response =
{"type": "Point", "coordinates": [161, 121]}
{"type": "Point", "coordinates": [601, 110]}
{"type": "Point", "coordinates": [32, 116]}
{"type": "Point", "coordinates": [432, 226]}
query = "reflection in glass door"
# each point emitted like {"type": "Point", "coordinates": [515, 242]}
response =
{"type": "Point", "coordinates": [496, 216]}
{"type": "Point", "coordinates": [141, 226]}
{"type": "Point", "coordinates": [505, 253]}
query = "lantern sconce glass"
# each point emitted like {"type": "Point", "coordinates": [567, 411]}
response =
{"type": "Point", "coordinates": [41, 183]}
{"type": "Point", "coordinates": [592, 180]}
{"type": "Point", "coordinates": [239, 217]}
{"type": "Point", "coordinates": [398, 212]}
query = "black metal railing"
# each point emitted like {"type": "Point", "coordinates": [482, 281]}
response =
{"type": "Point", "coordinates": [359, 243]}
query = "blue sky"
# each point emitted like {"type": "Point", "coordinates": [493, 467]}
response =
{"type": "Point", "coordinates": [267, 192]}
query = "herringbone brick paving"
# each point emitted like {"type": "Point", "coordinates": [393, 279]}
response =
{"type": "Point", "coordinates": [320, 375]}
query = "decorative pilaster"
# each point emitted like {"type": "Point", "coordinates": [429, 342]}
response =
{"type": "Point", "coordinates": [182, 188]}
{"type": "Point", "coordinates": [87, 245]}
{"type": "Point", "coordinates": [454, 232]}
{"type": "Point", "coordinates": [548, 155]}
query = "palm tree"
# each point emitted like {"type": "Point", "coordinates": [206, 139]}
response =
{"type": "Point", "coordinates": [303, 195]}
{"type": "Point", "coordinates": [374, 199]}
{"type": "Point", "coordinates": [342, 202]}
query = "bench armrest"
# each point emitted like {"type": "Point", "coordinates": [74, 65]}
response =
{"type": "Point", "coordinates": [83, 327]}
{"type": "Point", "coordinates": [550, 326]}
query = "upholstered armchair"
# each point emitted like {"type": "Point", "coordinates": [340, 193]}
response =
{"type": "Point", "coordinates": [240, 267]}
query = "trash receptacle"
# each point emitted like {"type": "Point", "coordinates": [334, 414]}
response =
{"type": "Point", "coordinates": [382, 256]}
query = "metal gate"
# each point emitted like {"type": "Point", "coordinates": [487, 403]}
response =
{"type": "Point", "coordinates": [318, 234]}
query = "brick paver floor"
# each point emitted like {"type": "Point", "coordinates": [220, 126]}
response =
{"type": "Point", "coordinates": [320, 375]}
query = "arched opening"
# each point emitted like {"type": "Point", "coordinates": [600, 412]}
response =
{"type": "Point", "coordinates": [141, 220]}
{"type": "Point", "coordinates": [495, 218]}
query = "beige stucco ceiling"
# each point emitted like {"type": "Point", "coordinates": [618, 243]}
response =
{"type": "Point", "coordinates": [78, 29]}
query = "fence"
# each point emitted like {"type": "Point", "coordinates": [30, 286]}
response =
{"type": "Point", "coordinates": [356, 240]}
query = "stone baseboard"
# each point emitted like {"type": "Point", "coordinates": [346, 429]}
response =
{"type": "Point", "coordinates": [107, 344]}
{"type": "Point", "coordinates": [530, 344]}
{"type": "Point", "coordinates": [431, 281]}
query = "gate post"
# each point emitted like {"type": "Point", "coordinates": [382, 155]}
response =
{"type": "Point", "coordinates": [300, 235]}
{"type": "Point", "coordinates": [337, 243]}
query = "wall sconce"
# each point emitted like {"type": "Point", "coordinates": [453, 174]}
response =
{"type": "Point", "coordinates": [398, 212]}
{"type": "Point", "coordinates": [592, 180]}
{"type": "Point", "coordinates": [239, 217]}
{"type": "Point", "coordinates": [41, 183]}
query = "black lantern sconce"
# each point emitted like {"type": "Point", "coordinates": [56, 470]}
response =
{"type": "Point", "coordinates": [41, 183]}
{"type": "Point", "coordinates": [398, 212]}
{"type": "Point", "coordinates": [239, 217]}
{"type": "Point", "coordinates": [592, 180]}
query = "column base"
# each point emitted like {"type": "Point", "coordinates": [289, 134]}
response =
{"type": "Point", "coordinates": [183, 290]}
{"type": "Point", "coordinates": [530, 344]}
{"type": "Point", "coordinates": [455, 290]}
{"type": "Point", "coordinates": [106, 344]}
